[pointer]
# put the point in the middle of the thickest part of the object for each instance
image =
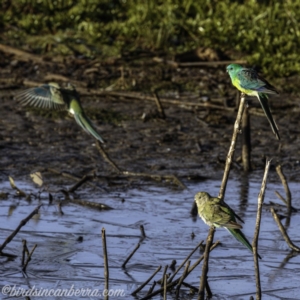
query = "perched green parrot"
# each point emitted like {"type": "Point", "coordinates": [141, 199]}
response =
{"type": "Point", "coordinates": [215, 212]}
{"type": "Point", "coordinates": [249, 82]}
{"type": "Point", "coordinates": [52, 96]}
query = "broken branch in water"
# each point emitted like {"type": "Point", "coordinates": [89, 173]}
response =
{"type": "Point", "coordinates": [205, 268]}
{"type": "Point", "coordinates": [283, 232]}
{"type": "Point", "coordinates": [28, 258]}
{"type": "Point", "coordinates": [105, 259]}
{"type": "Point", "coordinates": [130, 255]}
{"type": "Point", "coordinates": [143, 231]}
{"type": "Point", "coordinates": [175, 282]}
{"type": "Point", "coordinates": [185, 272]}
{"type": "Point", "coordinates": [148, 280]}
{"type": "Point", "coordinates": [100, 206]}
{"type": "Point", "coordinates": [182, 264]}
{"type": "Point", "coordinates": [161, 281]}
{"type": "Point", "coordinates": [257, 228]}
{"type": "Point", "coordinates": [25, 251]}
{"type": "Point", "coordinates": [152, 287]}
{"type": "Point", "coordinates": [165, 286]}
{"type": "Point", "coordinates": [22, 223]}
{"type": "Point", "coordinates": [288, 200]}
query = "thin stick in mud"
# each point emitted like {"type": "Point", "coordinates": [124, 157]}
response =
{"type": "Point", "coordinates": [159, 105]}
{"type": "Point", "coordinates": [135, 174]}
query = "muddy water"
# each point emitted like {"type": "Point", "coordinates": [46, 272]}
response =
{"type": "Point", "coordinates": [62, 260]}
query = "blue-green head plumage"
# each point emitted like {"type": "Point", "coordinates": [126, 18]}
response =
{"type": "Point", "coordinates": [232, 69]}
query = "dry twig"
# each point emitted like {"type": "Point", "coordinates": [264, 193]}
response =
{"type": "Point", "coordinates": [232, 146]}
{"type": "Point", "coordinates": [246, 141]}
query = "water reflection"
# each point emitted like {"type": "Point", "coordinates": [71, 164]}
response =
{"type": "Point", "coordinates": [60, 260]}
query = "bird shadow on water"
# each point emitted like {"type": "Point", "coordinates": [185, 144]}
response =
{"type": "Point", "coordinates": [69, 248]}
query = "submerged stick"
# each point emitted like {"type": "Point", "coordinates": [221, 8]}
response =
{"type": "Point", "coordinates": [182, 264]}
{"type": "Point", "coordinates": [162, 281]}
{"type": "Point", "coordinates": [232, 146]}
{"type": "Point", "coordinates": [205, 268]}
{"type": "Point", "coordinates": [208, 290]}
{"type": "Point", "coordinates": [201, 257]}
{"type": "Point", "coordinates": [283, 232]}
{"type": "Point", "coordinates": [25, 251]}
{"type": "Point", "coordinates": [143, 231]}
{"type": "Point", "coordinates": [22, 223]}
{"type": "Point", "coordinates": [130, 255]}
{"type": "Point", "coordinates": [106, 272]}
{"type": "Point", "coordinates": [148, 280]}
{"type": "Point", "coordinates": [257, 228]}
{"type": "Point", "coordinates": [165, 286]}
{"type": "Point", "coordinates": [288, 194]}
{"type": "Point", "coordinates": [100, 206]}
{"type": "Point", "coordinates": [185, 272]}
{"type": "Point", "coordinates": [173, 283]}
{"type": "Point", "coordinates": [28, 258]}
{"type": "Point", "coordinates": [152, 287]}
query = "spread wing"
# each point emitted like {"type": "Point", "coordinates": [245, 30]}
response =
{"type": "Point", "coordinates": [46, 96]}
